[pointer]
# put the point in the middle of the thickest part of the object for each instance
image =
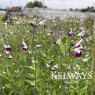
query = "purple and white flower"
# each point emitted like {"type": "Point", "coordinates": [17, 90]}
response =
{"type": "Point", "coordinates": [70, 33]}
{"type": "Point", "coordinates": [7, 48]}
{"type": "Point", "coordinates": [78, 52]}
{"type": "Point", "coordinates": [81, 34]}
{"type": "Point", "coordinates": [24, 46]}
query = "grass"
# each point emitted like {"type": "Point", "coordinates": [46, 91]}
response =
{"type": "Point", "coordinates": [30, 72]}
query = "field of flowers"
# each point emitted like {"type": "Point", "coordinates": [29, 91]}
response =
{"type": "Point", "coordinates": [47, 57]}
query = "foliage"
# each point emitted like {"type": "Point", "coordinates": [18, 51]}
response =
{"type": "Point", "coordinates": [88, 9]}
{"type": "Point", "coordinates": [15, 9]}
{"type": "Point", "coordinates": [30, 5]}
{"type": "Point", "coordinates": [48, 49]}
{"type": "Point", "coordinates": [35, 4]}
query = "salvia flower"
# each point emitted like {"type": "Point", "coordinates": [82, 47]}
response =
{"type": "Point", "coordinates": [85, 60]}
{"type": "Point", "coordinates": [38, 46]}
{"type": "Point", "coordinates": [53, 21]}
{"type": "Point", "coordinates": [24, 46]}
{"type": "Point", "coordinates": [58, 41]}
{"type": "Point", "coordinates": [42, 23]}
{"type": "Point", "coordinates": [7, 48]}
{"type": "Point", "coordinates": [33, 24]}
{"type": "Point", "coordinates": [10, 56]}
{"type": "Point", "coordinates": [81, 34]}
{"type": "Point", "coordinates": [78, 52]}
{"type": "Point", "coordinates": [5, 23]}
{"type": "Point", "coordinates": [35, 19]}
{"type": "Point", "coordinates": [78, 43]}
{"type": "Point", "coordinates": [80, 47]}
{"type": "Point", "coordinates": [70, 33]}
{"type": "Point", "coordinates": [0, 54]}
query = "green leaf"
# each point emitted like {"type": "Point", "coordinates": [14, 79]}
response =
{"type": "Point", "coordinates": [63, 40]}
{"type": "Point", "coordinates": [54, 92]}
{"type": "Point", "coordinates": [11, 92]}
{"type": "Point", "coordinates": [8, 85]}
{"type": "Point", "coordinates": [32, 83]}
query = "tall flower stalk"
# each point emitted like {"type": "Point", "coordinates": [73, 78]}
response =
{"type": "Point", "coordinates": [33, 58]}
{"type": "Point", "coordinates": [93, 60]}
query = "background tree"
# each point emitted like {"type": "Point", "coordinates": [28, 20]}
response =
{"type": "Point", "coordinates": [71, 9]}
{"type": "Point", "coordinates": [34, 4]}
{"type": "Point", "coordinates": [38, 4]}
{"type": "Point", "coordinates": [29, 5]}
{"type": "Point", "coordinates": [15, 9]}
{"type": "Point", "coordinates": [88, 9]}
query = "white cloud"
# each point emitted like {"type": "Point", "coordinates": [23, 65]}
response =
{"type": "Point", "coordinates": [52, 3]}
{"type": "Point", "coordinates": [4, 1]}
{"type": "Point", "coordinates": [69, 3]}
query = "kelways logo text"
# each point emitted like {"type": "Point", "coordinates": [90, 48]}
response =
{"type": "Point", "coordinates": [71, 75]}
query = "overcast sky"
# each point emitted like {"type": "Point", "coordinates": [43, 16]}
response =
{"type": "Point", "coordinates": [57, 4]}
